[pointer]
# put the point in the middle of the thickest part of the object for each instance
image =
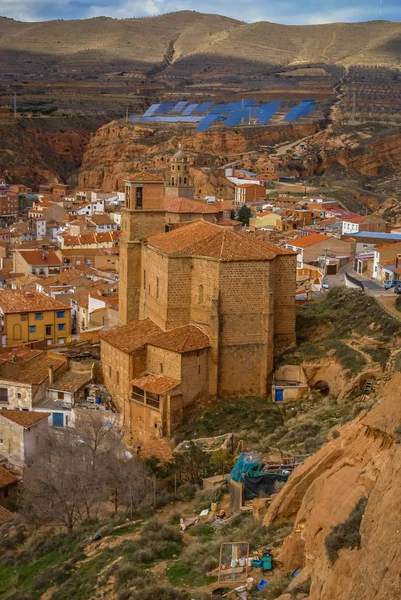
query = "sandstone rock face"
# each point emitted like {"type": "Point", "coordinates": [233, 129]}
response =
{"type": "Point", "coordinates": [120, 149]}
{"type": "Point", "coordinates": [365, 460]}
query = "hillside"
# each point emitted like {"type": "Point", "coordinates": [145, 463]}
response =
{"type": "Point", "coordinates": [138, 44]}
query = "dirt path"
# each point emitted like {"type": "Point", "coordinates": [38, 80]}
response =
{"type": "Point", "coordinates": [388, 303]}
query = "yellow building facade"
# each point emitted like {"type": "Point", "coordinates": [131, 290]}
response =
{"type": "Point", "coordinates": [28, 316]}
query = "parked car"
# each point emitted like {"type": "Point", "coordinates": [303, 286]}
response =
{"type": "Point", "coordinates": [389, 284]}
{"type": "Point", "coordinates": [397, 288]}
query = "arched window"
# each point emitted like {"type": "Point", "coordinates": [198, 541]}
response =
{"type": "Point", "coordinates": [185, 180]}
{"type": "Point", "coordinates": [17, 331]}
{"type": "Point", "coordinates": [172, 181]}
{"type": "Point", "coordinates": [200, 294]}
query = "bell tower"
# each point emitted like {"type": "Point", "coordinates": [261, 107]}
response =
{"type": "Point", "coordinates": [142, 217]}
{"type": "Point", "coordinates": [179, 179]}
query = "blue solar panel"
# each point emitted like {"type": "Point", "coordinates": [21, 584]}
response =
{"type": "Point", "coordinates": [236, 117]}
{"type": "Point", "coordinates": [206, 122]}
{"type": "Point", "coordinates": [203, 107]}
{"type": "Point", "coordinates": [164, 108]}
{"type": "Point", "coordinates": [179, 106]}
{"type": "Point", "coordinates": [190, 109]}
{"type": "Point", "coordinates": [151, 110]}
{"type": "Point", "coordinates": [266, 111]}
{"type": "Point", "coordinates": [302, 109]}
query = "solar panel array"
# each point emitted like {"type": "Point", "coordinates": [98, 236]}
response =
{"type": "Point", "coordinates": [231, 113]}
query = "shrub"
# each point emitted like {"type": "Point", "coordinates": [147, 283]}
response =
{"type": "Point", "coordinates": [346, 534]}
{"type": "Point", "coordinates": [186, 491]}
{"type": "Point", "coordinates": [204, 498]}
{"type": "Point", "coordinates": [159, 592]}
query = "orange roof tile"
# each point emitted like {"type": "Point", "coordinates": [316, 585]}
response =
{"type": "Point", "coordinates": [5, 516]}
{"type": "Point", "coordinates": [24, 418]}
{"type": "Point", "coordinates": [144, 176]}
{"type": "Point", "coordinates": [41, 258]}
{"type": "Point", "coordinates": [359, 219]}
{"type": "Point", "coordinates": [201, 238]}
{"type": "Point", "coordinates": [132, 336]}
{"type": "Point", "coordinates": [182, 339]}
{"type": "Point", "coordinates": [184, 205]}
{"type": "Point", "coordinates": [309, 240]}
{"type": "Point", "coordinates": [16, 301]}
{"type": "Point", "coordinates": [7, 478]}
{"type": "Point", "coordinates": [157, 384]}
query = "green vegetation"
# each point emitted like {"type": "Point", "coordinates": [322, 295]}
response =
{"type": "Point", "coordinates": [244, 214]}
{"type": "Point", "coordinates": [331, 326]}
{"type": "Point", "coordinates": [346, 534]}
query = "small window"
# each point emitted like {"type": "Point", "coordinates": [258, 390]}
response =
{"type": "Point", "coordinates": [1, 442]}
{"type": "Point", "coordinates": [24, 317]}
{"type": "Point", "coordinates": [109, 371]}
{"type": "Point", "coordinates": [144, 280]}
{"type": "Point", "coordinates": [60, 314]}
{"type": "Point", "coordinates": [5, 494]}
{"type": "Point", "coordinates": [48, 329]}
{"type": "Point", "coordinates": [61, 326]}
{"type": "Point", "coordinates": [19, 395]}
{"type": "Point", "coordinates": [38, 316]}
{"type": "Point", "coordinates": [161, 367]}
{"type": "Point", "coordinates": [157, 287]}
{"type": "Point", "coordinates": [32, 328]}
{"type": "Point", "coordinates": [61, 341]}
{"type": "Point", "coordinates": [118, 376]}
{"type": "Point", "coordinates": [60, 395]}
{"type": "Point", "coordinates": [200, 298]}
{"type": "Point", "coordinates": [3, 395]}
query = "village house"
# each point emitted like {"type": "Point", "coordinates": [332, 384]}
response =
{"type": "Point", "coordinates": [363, 223]}
{"type": "Point", "coordinates": [182, 210]}
{"type": "Point", "coordinates": [27, 316]}
{"type": "Point", "coordinates": [248, 192]}
{"type": "Point", "coordinates": [90, 208]}
{"type": "Point", "coordinates": [19, 434]}
{"type": "Point", "coordinates": [9, 204]}
{"type": "Point", "coordinates": [318, 249]}
{"type": "Point", "coordinates": [8, 489]}
{"type": "Point", "coordinates": [266, 220]}
{"type": "Point", "coordinates": [38, 227]}
{"type": "Point", "coordinates": [36, 262]}
{"type": "Point", "coordinates": [231, 296]}
{"type": "Point", "coordinates": [88, 240]}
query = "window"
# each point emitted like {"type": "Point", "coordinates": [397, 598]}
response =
{"type": "Point", "coordinates": [1, 442]}
{"type": "Point", "coordinates": [5, 494]}
{"type": "Point", "coordinates": [24, 317]}
{"type": "Point", "coordinates": [19, 395]}
{"type": "Point", "coordinates": [3, 395]}
{"type": "Point", "coordinates": [32, 328]}
{"type": "Point", "coordinates": [152, 399]}
{"type": "Point", "coordinates": [109, 371]}
{"type": "Point", "coordinates": [38, 316]}
{"type": "Point", "coordinates": [144, 280]}
{"type": "Point", "coordinates": [157, 287]}
{"type": "Point", "coordinates": [161, 367]}
{"type": "Point", "coordinates": [60, 314]}
{"type": "Point", "coordinates": [61, 326]}
{"type": "Point", "coordinates": [139, 197]}
{"type": "Point", "coordinates": [137, 394]}
{"type": "Point", "coordinates": [117, 376]}
{"type": "Point", "coordinates": [60, 395]}
{"type": "Point", "coordinates": [200, 294]}
{"type": "Point", "coordinates": [48, 330]}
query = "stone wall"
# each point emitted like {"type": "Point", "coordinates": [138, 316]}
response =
{"type": "Point", "coordinates": [285, 268]}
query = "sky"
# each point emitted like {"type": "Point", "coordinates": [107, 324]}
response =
{"type": "Point", "coordinates": [302, 12]}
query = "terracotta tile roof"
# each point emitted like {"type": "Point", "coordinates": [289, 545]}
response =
{"type": "Point", "coordinates": [24, 418]}
{"type": "Point", "coordinates": [201, 238]}
{"type": "Point", "coordinates": [228, 222]}
{"type": "Point", "coordinates": [132, 336]}
{"type": "Point", "coordinates": [359, 219]}
{"type": "Point", "coordinates": [7, 478]}
{"type": "Point", "coordinates": [222, 205]}
{"type": "Point", "coordinates": [37, 372]}
{"type": "Point", "coordinates": [184, 205]}
{"type": "Point", "coordinates": [16, 301]}
{"type": "Point", "coordinates": [63, 277]}
{"type": "Point", "coordinates": [41, 258]}
{"type": "Point", "coordinates": [5, 516]}
{"type": "Point", "coordinates": [144, 176]}
{"type": "Point", "coordinates": [380, 247]}
{"type": "Point", "coordinates": [182, 339]}
{"type": "Point", "coordinates": [309, 240]}
{"type": "Point", "coordinates": [70, 382]}
{"type": "Point", "coordinates": [157, 384]}
{"type": "Point", "coordinates": [101, 219]}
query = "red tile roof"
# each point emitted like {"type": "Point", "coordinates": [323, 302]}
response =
{"type": "Point", "coordinates": [7, 478]}
{"type": "Point", "coordinates": [41, 258]}
{"type": "Point", "coordinates": [16, 301]}
{"type": "Point", "coordinates": [181, 339]}
{"type": "Point", "coordinates": [5, 516]}
{"type": "Point", "coordinates": [201, 238]}
{"type": "Point", "coordinates": [309, 240]}
{"type": "Point", "coordinates": [157, 384]}
{"type": "Point", "coordinates": [132, 336]}
{"type": "Point", "coordinates": [24, 418]}
{"type": "Point", "coordinates": [184, 205]}
{"type": "Point", "coordinates": [145, 177]}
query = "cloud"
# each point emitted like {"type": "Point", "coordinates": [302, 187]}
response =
{"type": "Point", "coordinates": [279, 11]}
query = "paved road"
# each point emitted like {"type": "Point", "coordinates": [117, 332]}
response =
{"type": "Point", "coordinates": [374, 288]}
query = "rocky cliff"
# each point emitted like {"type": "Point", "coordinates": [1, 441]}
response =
{"type": "Point", "coordinates": [35, 151]}
{"type": "Point", "coordinates": [363, 459]}
{"type": "Point", "coordinates": [119, 149]}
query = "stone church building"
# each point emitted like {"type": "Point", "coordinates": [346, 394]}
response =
{"type": "Point", "coordinates": [203, 310]}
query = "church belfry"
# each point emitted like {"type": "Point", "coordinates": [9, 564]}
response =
{"type": "Point", "coordinates": [142, 217]}
{"type": "Point", "coordinates": [179, 179]}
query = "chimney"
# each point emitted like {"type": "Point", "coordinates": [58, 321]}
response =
{"type": "Point", "coordinates": [51, 375]}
